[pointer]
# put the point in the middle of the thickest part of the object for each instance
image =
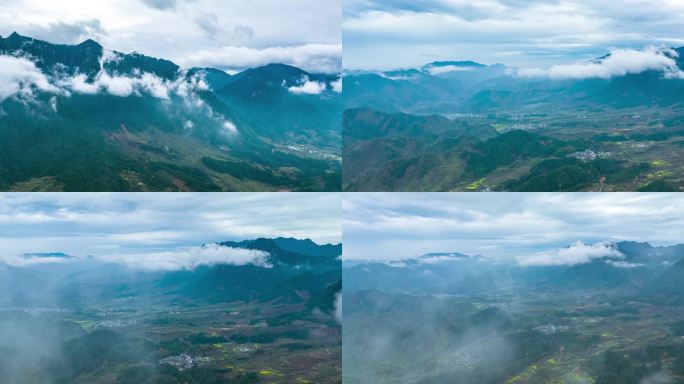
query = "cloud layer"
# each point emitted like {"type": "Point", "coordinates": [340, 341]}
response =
{"type": "Point", "coordinates": [577, 253]}
{"type": "Point", "coordinates": [157, 229]}
{"type": "Point", "coordinates": [228, 34]}
{"type": "Point", "coordinates": [191, 258]}
{"type": "Point", "coordinates": [385, 226]}
{"type": "Point", "coordinates": [620, 62]}
{"type": "Point", "coordinates": [29, 259]}
{"type": "Point", "coordinates": [535, 33]}
{"type": "Point", "coordinates": [308, 87]}
{"type": "Point", "coordinates": [20, 76]}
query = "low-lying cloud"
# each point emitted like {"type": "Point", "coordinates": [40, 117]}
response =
{"type": "Point", "coordinates": [619, 62]}
{"type": "Point", "coordinates": [624, 264]}
{"type": "Point", "coordinates": [122, 86]}
{"type": "Point", "coordinates": [308, 87]}
{"type": "Point", "coordinates": [577, 253]}
{"type": "Point", "coordinates": [338, 307]}
{"type": "Point", "coordinates": [230, 127]}
{"type": "Point", "coordinates": [190, 258]}
{"type": "Point", "coordinates": [161, 4]}
{"type": "Point", "coordinates": [337, 85]}
{"type": "Point", "coordinates": [437, 259]}
{"type": "Point", "coordinates": [447, 69]}
{"type": "Point", "coordinates": [305, 86]}
{"type": "Point", "coordinates": [29, 259]}
{"type": "Point", "coordinates": [20, 76]}
{"type": "Point", "coordinates": [182, 258]}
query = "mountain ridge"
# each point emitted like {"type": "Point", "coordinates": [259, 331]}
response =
{"type": "Point", "coordinates": [18, 41]}
{"type": "Point", "coordinates": [641, 265]}
{"type": "Point", "coordinates": [289, 277]}
{"type": "Point", "coordinates": [161, 127]}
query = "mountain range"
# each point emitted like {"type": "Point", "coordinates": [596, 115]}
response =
{"type": "Point", "coordinates": [293, 272]}
{"type": "Point", "coordinates": [84, 118]}
{"type": "Point", "coordinates": [442, 87]}
{"type": "Point", "coordinates": [641, 266]}
{"type": "Point", "coordinates": [466, 126]}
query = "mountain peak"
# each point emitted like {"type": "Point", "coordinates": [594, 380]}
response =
{"type": "Point", "coordinates": [15, 37]}
{"type": "Point", "coordinates": [304, 247]}
{"type": "Point", "coordinates": [467, 63]}
{"type": "Point", "coordinates": [90, 43]}
{"type": "Point", "coordinates": [274, 74]}
{"type": "Point", "coordinates": [443, 67]}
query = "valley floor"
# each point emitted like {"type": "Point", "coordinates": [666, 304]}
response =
{"type": "Point", "coordinates": [579, 337]}
{"type": "Point", "coordinates": [185, 342]}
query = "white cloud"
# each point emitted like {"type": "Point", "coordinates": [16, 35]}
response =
{"type": "Point", "coordinates": [135, 84]}
{"type": "Point", "coordinates": [19, 76]}
{"type": "Point", "coordinates": [624, 264]}
{"type": "Point", "coordinates": [620, 62]}
{"type": "Point", "coordinates": [337, 85]}
{"type": "Point", "coordinates": [28, 259]}
{"type": "Point", "coordinates": [437, 259]}
{"type": "Point", "coordinates": [338, 307]}
{"type": "Point", "coordinates": [154, 85]}
{"type": "Point", "coordinates": [312, 57]}
{"type": "Point", "coordinates": [122, 86]}
{"type": "Point", "coordinates": [117, 85]}
{"type": "Point", "coordinates": [190, 86]}
{"type": "Point", "coordinates": [308, 87]}
{"type": "Point", "coordinates": [578, 253]}
{"type": "Point", "coordinates": [447, 69]}
{"type": "Point", "coordinates": [191, 258]}
{"type": "Point", "coordinates": [79, 83]}
{"type": "Point", "coordinates": [533, 33]}
{"type": "Point", "coordinates": [230, 127]}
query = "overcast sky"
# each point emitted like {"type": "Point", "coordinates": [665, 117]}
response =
{"type": "Point", "coordinates": [503, 225]}
{"type": "Point", "coordinates": [229, 34]}
{"type": "Point", "coordinates": [382, 34]}
{"type": "Point", "coordinates": [122, 224]}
